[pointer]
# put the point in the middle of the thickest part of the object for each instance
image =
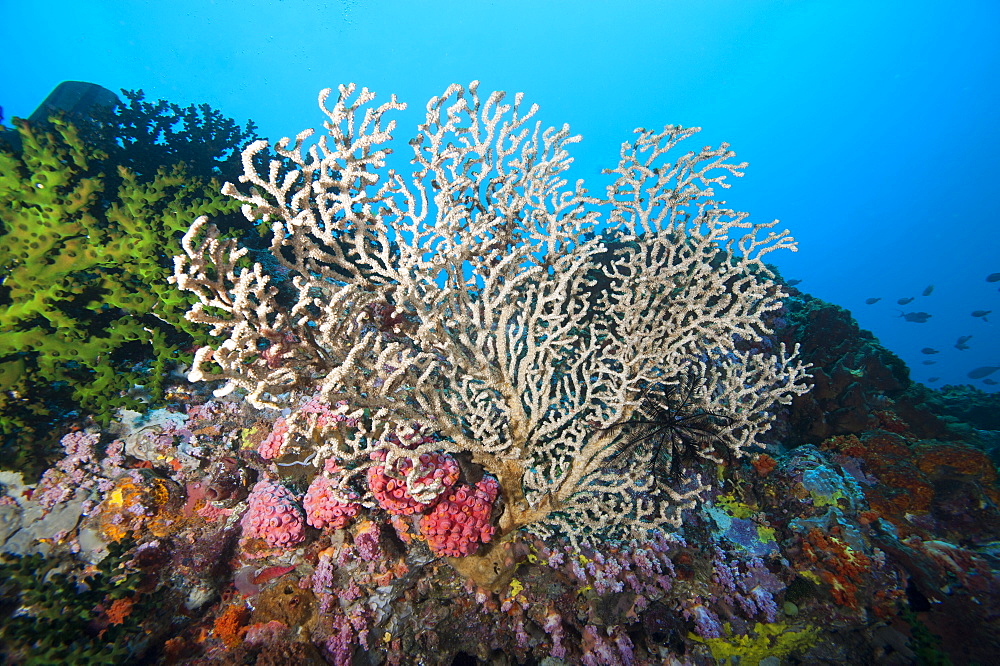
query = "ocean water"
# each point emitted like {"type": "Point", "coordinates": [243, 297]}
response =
{"type": "Point", "coordinates": [870, 127]}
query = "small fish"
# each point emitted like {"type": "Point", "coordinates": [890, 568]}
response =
{"type": "Point", "coordinates": [916, 317]}
{"type": "Point", "coordinates": [929, 362]}
{"type": "Point", "coordinates": [269, 573]}
{"type": "Point", "coordinates": [792, 283]}
{"type": "Point", "coordinates": [981, 313]}
{"type": "Point", "coordinates": [932, 380]}
{"type": "Point", "coordinates": [984, 371]}
{"type": "Point", "coordinates": [904, 301]}
{"type": "Point", "coordinates": [929, 350]}
{"type": "Point", "coordinates": [872, 301]}
{"type": "Point", "coordinates": [991, 382]}
{"type": "Point", "coordinates": [928, 290]}
{"type": "Point", "coordinates": [993, 277]}
{"type": "Point", "coordinates": [960, 345]}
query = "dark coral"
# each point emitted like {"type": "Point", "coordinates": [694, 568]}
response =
{"type": "Point", "coordinates": [965, 403]}
{"type": "Point", "coordinates": [61, 611]}
{"type": "Point", "coordinates": [142, 136]}
{"type": "Point", "coordinates": [853, 376]}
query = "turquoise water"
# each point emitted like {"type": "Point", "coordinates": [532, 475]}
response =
{"type": "Point", "coordinates": [870, 127]}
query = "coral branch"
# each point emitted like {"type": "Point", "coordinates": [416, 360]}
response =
{"type": "Point", "coordinates": [490, 302]}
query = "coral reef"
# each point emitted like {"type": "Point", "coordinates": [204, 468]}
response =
{"type": "Point", "coordinates": [963, 404]}
{"type": "Point", "coordinates": [476, 311]}
{"type": "Point", "coordinates": [851, 371]}
{"type": "Point", "coordinates": [873, 547]}
{"type": "Point", "coordinates": [336, 531]}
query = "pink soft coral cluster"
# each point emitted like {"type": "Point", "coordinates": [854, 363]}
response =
{"type": "Point", "coordinates": [75, 470]}
{"type": "Point", "coordinates": [275, 442]}
{"type": "Point", "coordinates": [454, 517]}
{"type": "Point", "coordinates": [274, 516]}
{"type": "Point", "coordinates": [435, 474]}
{"type": "Point", "coordinates": [317, 414]}
{"type": "Point", "coordinates": [327, 505]}
{"type": "Point", "coordinates": [325, 417]}
{"type": "Point", "coordinates": [461, 520]}
{"type": "Point", "coordinates": [80, 470]}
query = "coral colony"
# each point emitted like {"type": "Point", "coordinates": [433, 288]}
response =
{"type": "Point", "coordinates": [473, 308]}
{"type": "Point", "coordinates": [473, 413]}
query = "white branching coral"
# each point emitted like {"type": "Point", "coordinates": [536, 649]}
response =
{"type": "Point", "coordinates": [487, 300]}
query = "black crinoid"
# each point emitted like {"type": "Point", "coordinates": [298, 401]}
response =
{"type": "Point", "coordinates": [669, 430]}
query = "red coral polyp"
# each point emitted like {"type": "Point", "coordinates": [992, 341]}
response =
{"type": "Point", "coordinates": [274, 516]}
{"type": "Point", "coordinates": [327, 505]}
{"type": "Point", "coordinates": [460, 522]}
{"type": "Point", "coordinates": [274, 444]}
{"type": "Point", "coordinates": [391, 493]}
{"type": "Point", "coordinates": [436, 473]}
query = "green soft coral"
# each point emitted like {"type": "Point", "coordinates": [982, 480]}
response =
{"type": "Point", "coordinates": [55, 605]}
{"type": "Point", "coordinates": [85, 291]}
{"type": "Point", "coordinates": [775, 640]}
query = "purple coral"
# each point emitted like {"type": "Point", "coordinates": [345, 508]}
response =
{"type": "Point", "coordinates": [598, 650]}
{"type": "Point", "coordinates": [341, 641]}
{"type": "Point", "coordinates": [366, 543]}
{"type": "Point", "coordinates": [706, 624]}
{"type": "Point", "coordinates": [76, 470]}
{"type": "Point", "coordinates": [753, 589]}
{"type": "Point", "coordinates": [759, 586]}
{"type": "Point", "coordinates": [553, 627]}
{"type": "Point", "coordinates": [274, 516]}
{"type": "Point", "coordinates": [323, 580]}
{"type": "Point", "coordinates": [759, 599]}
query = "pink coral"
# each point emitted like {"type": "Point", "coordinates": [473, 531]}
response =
{"type": "Point", "coordinates": [274, 443]}
{"type": "Point", "coordinates": [553, 627]}
{"type": "Point", "coordinates": [273, 515]}
{"type": "Point", "coordinates": [328, 505]}
{"type": "Point", "coordinates": [327, 417]}
{"type": "Point", "coordinates": [435, 474]}
{"type": "Point", "coordinates": [461, 520]}
{"type": "Point", "coordinates": [391, 493]}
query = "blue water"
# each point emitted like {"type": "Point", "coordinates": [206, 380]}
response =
{"type": "Point", "coordinates": [871, 127]}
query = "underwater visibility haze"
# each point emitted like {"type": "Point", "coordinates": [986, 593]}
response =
{"type": "Point", "coordinates": [467, 376]}
{"type": "Point", "coordinates": [869, 127]}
